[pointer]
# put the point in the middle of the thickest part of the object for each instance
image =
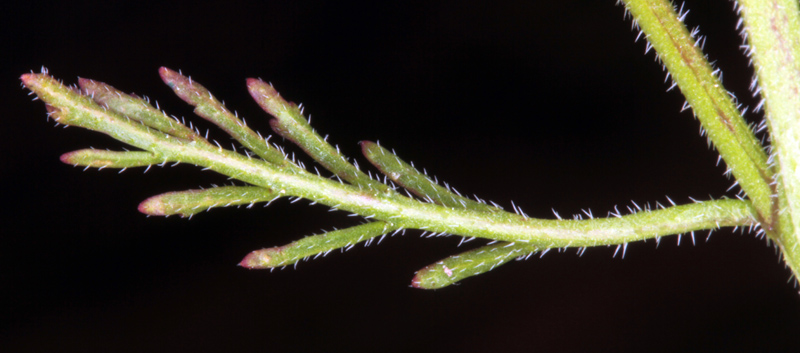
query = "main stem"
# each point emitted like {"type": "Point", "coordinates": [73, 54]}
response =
{"type": "Point", "coordinates": [772, 29]}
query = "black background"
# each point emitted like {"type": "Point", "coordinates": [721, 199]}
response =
{"type": "Point", "coordinates": [548, 103]}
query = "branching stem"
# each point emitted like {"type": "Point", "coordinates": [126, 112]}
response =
{"type": "Point", "coordinates": [446, 215]}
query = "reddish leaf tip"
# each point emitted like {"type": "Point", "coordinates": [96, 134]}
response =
{"type": "Point", "coordinates": [254, 81]}
{"type": "Point", "coordinates": [260, 90]}
{"type": "Point", "coordinates": [252, 260]}
{"type": "Point", "coordinates": [29, 78]}
{"type": "Point", "coordinates": [366, 146]}
{"type": "Point", "coordinates": [416, 282]}
{"type": "Point", "coordinates": [88, 85]}
{"type": "Point", "coordinates": [152, 206]}
{"type": "Point", "coordinates": [165, 72]}
{"type": "Point", "coordinates": [171, 77]}
{"type": "Point", "coordinates": [67, 157]}
{"type": "Point", "coordinates": [183, 86]}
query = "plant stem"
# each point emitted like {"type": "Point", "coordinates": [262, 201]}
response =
{"type": "Point", "coordinates": [682, 56]}
{"type": "Point", "coordinates": [772, 30]}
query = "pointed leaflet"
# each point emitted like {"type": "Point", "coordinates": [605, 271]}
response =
{"type": "Point", "coordinates": [468, 264]}
{"type": "Point", "coordinates": [190, 202]}
{"type": "Point", "coordinates": [290, 123]}
{"type": "Point", "coordinates": [95, 158]}
{"type": "Point", "coordinates": [209, 108]}
{"type": "Point", "coordinates": [410, 178]}
{"type": "Point", "coordinates": [313, 245]}
{"type": "Point", "coordinates": [67, 106]}
{"type": "Point", "coordinates": [135, 108]}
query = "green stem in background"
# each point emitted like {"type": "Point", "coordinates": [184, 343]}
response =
{"type": "Point", "coordinates": [772, 31]}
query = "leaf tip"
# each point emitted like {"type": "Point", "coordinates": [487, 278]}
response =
{"type": "Point", "coordinates": [255, 260]}
{"type": "Point", "coordinates": [253, 82]}
{"type": "Point", "coordinates": [153, 206]}
{"type": "Point", "coordinates": [32, 80]}
{"type": "Point", "coordinates": [85, 82]}
{"type": "Point", "coordinates": [423, 280]}
{"type": "Point", "coordinates": [183, 86]}
{"type": "Point", "coordinates": [69, 157]}
{"type": "Point", "coordinates": [268, 98]}
{"type": "Point", "coordinates": [416, 282]}
{"type": "Point", "coordinates": [27, 78]}
{"type": "Point", "coordinates": [166, 74]}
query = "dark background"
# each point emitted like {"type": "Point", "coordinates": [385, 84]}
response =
{"type": "Point", "coordinates": [548, 103]}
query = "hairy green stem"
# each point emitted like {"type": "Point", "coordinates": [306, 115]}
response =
{"type": "Point", "coordinates": [681, 54]}
{"type": "Point", "coordinates": [772, 29]}
{"type": "Point", "coordinates": [648, 224]}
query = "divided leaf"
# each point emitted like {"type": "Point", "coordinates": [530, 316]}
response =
{"type": "Point", "coordinates": [133, 121]}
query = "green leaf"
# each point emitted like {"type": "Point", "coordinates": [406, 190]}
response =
{"type": "Point", "coordinates": [467, 264]}
{"type": "Point", "coordinates": [290, 123]}
{"type": "Point", "coordinates": [319, 244]}
{"type": "Point", "coordinates": [94, 158]}
{"type": "Point", "coordinates": [421, 185]}
{"type": "Point", "coordinates": [190, 202]}
{"type": "Point", "coordinates": [209, 108]}
{"type": "Point", "coordinates": [135, 108]}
